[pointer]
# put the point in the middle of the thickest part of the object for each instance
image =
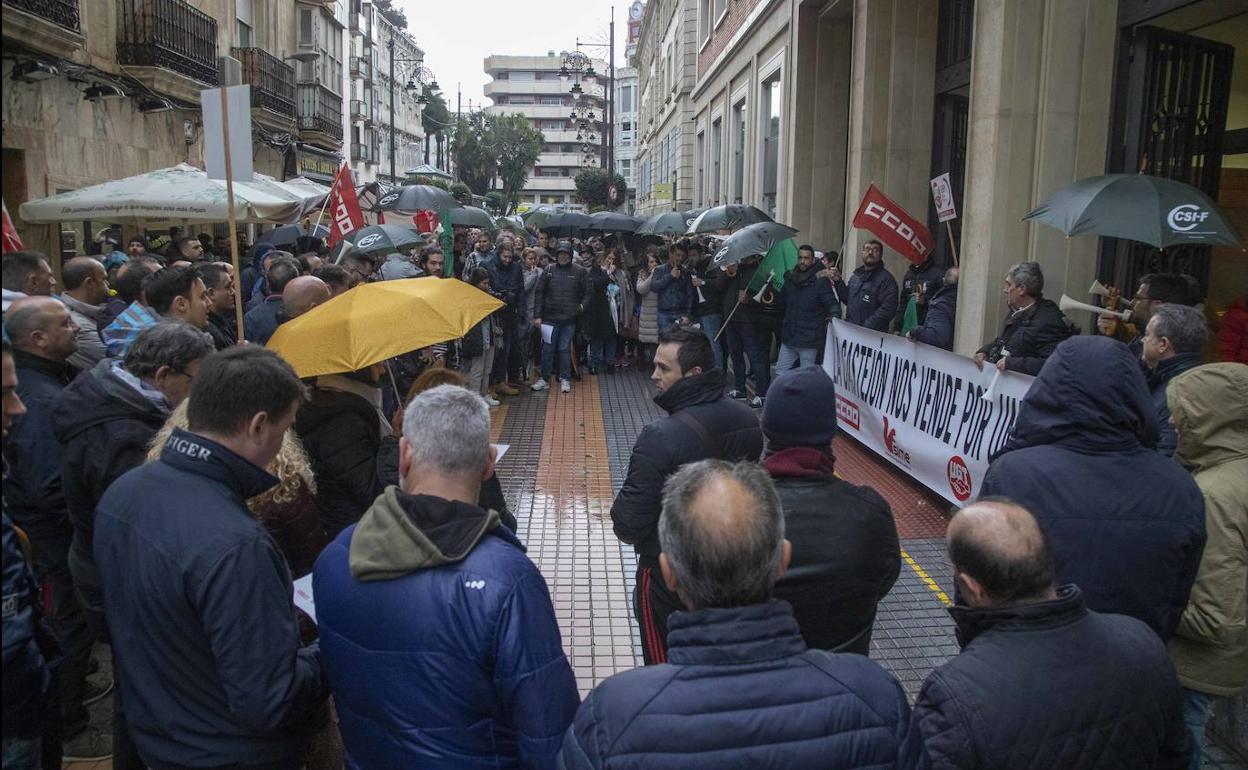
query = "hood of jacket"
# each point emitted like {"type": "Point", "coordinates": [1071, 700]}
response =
{"type": "Point", "coordinates": [698, 389]}
{"type": "Point", "coordinates": [97, 396]}
{"type": "Point", "coordinates": [1067, 607]}
{"type": "Point", "coordinates": [1209, 406]}
{"type": "Point", "coordinates": [402, 533]}
{"type": "Point", "coordinates": [1090, 396]}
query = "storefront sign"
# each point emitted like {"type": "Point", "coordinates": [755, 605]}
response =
{"type": "Point", "coordinates": [318, 166]}
{"type": "Point", "coordinates": [921, 408]}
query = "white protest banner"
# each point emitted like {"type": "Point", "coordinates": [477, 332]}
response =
{"type": "Point", "coordinates": [942, 195]}
{"type": "Point", "coordinates": [239, 105]}
{"type": "Point", "coordinates": [921, 408]}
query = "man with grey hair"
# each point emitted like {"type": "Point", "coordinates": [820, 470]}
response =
{"type": "Point", "coordinates": [740, 682]}
{"type": "Point", "coordinates": [1033, 329]}
{"type": "Point", "coordinates": [1172, 341]}
{"type": "Point", "coordinates": [431, 615]}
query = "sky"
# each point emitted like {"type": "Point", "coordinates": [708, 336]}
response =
{"type": "Point", "coordinates": [457, 35]}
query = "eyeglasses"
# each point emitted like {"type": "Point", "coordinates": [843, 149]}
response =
{"type": "Point", "coordinates": [184, 373]}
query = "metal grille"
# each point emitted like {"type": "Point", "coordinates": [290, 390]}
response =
{"type": "Point", "coordinates": [63, 13]}
{"type": "Point", "coordinates": [168, 34]}
{"type": "Point", "coordinates": [320, 110]}
{"type": "Point", "coordinates": [272, 80]}
{"type": "Point", "coordinates": [948, 154]}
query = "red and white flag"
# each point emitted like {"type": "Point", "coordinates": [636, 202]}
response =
{"type": "Point", "coordinates": [12, 241]}
{"type": "Point", "coordinates": [892, 225]}
{"type": "Point", "coordinates": [344, 207]}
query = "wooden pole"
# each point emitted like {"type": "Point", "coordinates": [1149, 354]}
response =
{"type": "Point", "coordinates": [953, 247]}
{"type": "Point", "coordinates": [229, 197]}
{"type": "Point", "coordinates": [726, 320]}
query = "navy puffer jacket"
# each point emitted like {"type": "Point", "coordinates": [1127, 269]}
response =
{"type": "Point", "coordinates": [808, 304]}
{"type": "Point", "coordinates": [1125, 524]}
{"type": "Point", "coordinates": [741, 690]}
{"type": "Point", "coordinates": [937, 327]}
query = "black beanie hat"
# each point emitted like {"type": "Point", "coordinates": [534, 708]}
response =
{"type": "Point", "coordinates": [800, 408]}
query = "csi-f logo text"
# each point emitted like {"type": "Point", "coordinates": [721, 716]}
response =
{"type": "Point", "coordinates": [1186, 216]}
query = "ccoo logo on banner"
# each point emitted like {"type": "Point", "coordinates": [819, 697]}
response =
{"type": "Point", "coordinates": [921, 408]}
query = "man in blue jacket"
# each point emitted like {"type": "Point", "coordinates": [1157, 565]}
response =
{"type": "Point", "coordinates": [740, 688]}
{"type": "Point", "coordinates": [872, 291]}
{"type": "Point", "coordinates": [197, 593]}
{"type": "Point", "coordinates": [673, 283]}
{"type": "Point", "coordinates": [439, 633]}
{"type": "Point", "coordinates": [1126, 524]}
{"type": "Point", "coordinates": [1170, 346]}
{"type": "Point", "coordinates": [808, 304]}
{"type": "Point", "coordinates": [942, 308]}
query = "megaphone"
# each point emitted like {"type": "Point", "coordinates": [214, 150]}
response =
{"type": "Point", "coordinates": [1066, 303]}
{"type": "Point", "coordinates": [1098, 288]}
{"type": "Point", "coordinates": [759, 296]}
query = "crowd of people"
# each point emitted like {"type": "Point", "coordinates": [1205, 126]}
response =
{"type": "Point", "coordinates": [165, 485]}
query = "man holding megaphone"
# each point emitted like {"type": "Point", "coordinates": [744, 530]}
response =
{"type": "Point", "coordinates": [1032, 330]}
{"type": "Point", "coordinates": [1156, 289]}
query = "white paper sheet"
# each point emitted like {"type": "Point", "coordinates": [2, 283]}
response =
{"type": "Point", "coordinates": [548, 332]}
{"type": "Point", "coordinates": [499, 451]}
{"type": "Point", "coordinates": [303, 596]}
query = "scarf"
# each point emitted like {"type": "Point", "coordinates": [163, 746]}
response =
{"type": "Point", "coordinates": [800, 461]}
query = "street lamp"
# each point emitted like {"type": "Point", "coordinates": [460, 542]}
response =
{"type": "Point", "coordinates": [419, 77]}
{"type": "Point", "coordinates": [608, 131]}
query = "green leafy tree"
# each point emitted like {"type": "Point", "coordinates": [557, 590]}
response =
{"type": "Point", "coordinates": [462, 193]}
{"type": "Point", "coordinates": [436, 120]}
{"type": "Point", "coordinates": [495, 200]}
{"type": "Point", "coordinates": [593, 186]}
{"type": "Point", "coordinates": [475, 158]}
{"type": "Point", "coordinates": [517, 146]}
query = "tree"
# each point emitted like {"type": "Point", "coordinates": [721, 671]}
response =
{"type": "Point", "coordinates": [475, 159]}
{"type": "Point", "coordinates": [496, 201]}
{"type": "Point", "coordinates": [435, 118]}
{"type": "Point", "coordinates": [517, 146]}
{"type": "Point", "coordinates": [395, 16]}
{"type": "Point", "coordinates": [592, 187]}
{"type": "Point", "coordinates": [461, 192]}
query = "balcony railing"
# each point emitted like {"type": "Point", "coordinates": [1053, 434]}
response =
{"type": "Point", "coordinates": [168, 34]}
{"type": "Point", "coordinates": [361, 67]}
{"type": "Point", "coordinates": [63, 13]}
{"type": "Point", "coordinates": [272, 80]}
{"type": "Point", "coordinates": [363, 152]}
{"type": "Point", "coordinates": [359, 110]}
{"type": "Point", "coordinates": [320, 110]}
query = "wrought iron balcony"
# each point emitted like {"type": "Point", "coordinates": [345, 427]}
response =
{"type": "Point", "coordinates": [362, 67]}
{"type": "Point", "coordinates": [63, 13]}
{"type": "Point", "coordinates": [169, 34]}
{"type": "Point", "coordinates": [320, 110]}
{"type": "Point", "coordinates": [359, 110]}
{"type": "Point", "coordinates": [363, 152]}
{"type": "Point", "coordinates": [272, 80]}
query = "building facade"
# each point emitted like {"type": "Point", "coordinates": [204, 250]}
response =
{"type": "Point", "coordinates": [374, 133]}
{"type": "Point", "coordinates": [798, 106]}
{"type": "Point", "coordinates": [532, 86]}
{"type": "Point", "coordinates": [626, 131]}
{"type": "Point", "coordinates": [665, 61]}
{"type": "Point", "coordinates": [95, 91]}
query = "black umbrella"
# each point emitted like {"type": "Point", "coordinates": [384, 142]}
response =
{"type": "Point", "coordinates": [471, 216]}
{"type": "Point", "coordinates": [666, 223]}
{"type": "Point", "coordinates": [289, 235]}
{"type": "Point", "coordinates": [566, 225]}
{"type": "Point", "coordinates": [411, 198]}
{"type": "Point", "coordinates": [692, 214]}
{"type": "Point", "coordinates": [731, 217]}
{"type": "Point", "coordinates": [383, 239]}
{"type": "Point", "coordinates": [613, 222]}
{"type": "Point", "coordinates": [751, 241]}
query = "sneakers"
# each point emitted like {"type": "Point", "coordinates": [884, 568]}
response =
{"type": "Point", "coordinates": [491, 400]}
{"type": "Point", "coordinates": [506, 389]}
{"type": "Point", "coordinates": [539, 386]}
{"type": "Point", "coordinates": [565, 386]}
{"type": "Point", "coordinates": [757, 402]}
{"type": "Point", "coordinates": [96, 692]}
{"type": "Point", "coordinates": [737, 394]}
{"type": "Point", "coordinates": [90, 745]}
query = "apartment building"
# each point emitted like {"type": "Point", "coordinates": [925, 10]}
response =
{"type": "Point", "coordinates": [374, 106]}
{"type": "Point", "coordinates": [626, 131]}
{"type": "Point", "coordinates": [532, 86]}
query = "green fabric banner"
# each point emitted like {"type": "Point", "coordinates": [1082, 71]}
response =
{"type": "Point", "coordinates": [781, 259]}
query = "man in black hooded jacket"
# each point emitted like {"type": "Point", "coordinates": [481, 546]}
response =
{"type": "Point", "coordinates": [701, 424]}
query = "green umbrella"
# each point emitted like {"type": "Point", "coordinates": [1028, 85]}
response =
{"type": "Point", "coordinates": [513, 223]}
{"type": "Point", "coordinates": [471, 216]}
{"type": "Point", "coordinates": [733, 216]}
{"type": "Point", "coordinates": [1138, 207]}
{"type": "Point", "coordinates": [665, 223]}
{"type": "Point", "coordinates": [536, 217]}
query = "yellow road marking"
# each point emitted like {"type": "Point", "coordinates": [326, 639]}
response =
{"type": "Point", "coordinates": [926, 578]}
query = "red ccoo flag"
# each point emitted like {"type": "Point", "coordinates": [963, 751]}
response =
{"type": "Point", "coordinates": [892, 225]}
{"type": "Point", "coordinates": [344, 207]}
{"type": "Point", "coordinates": [12, 241]}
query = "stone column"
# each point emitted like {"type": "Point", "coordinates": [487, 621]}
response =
{"type": "Point", "coordinates": [1041, 79]}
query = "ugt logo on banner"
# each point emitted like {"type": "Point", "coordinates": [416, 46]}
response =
{"type": "Point", "coordinates": [891, 224]}
{"type": "Point", "coordinates": [344, 207]}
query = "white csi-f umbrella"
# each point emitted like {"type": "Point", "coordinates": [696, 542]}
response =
{"type": "Point", "coordinates": [179, 193]}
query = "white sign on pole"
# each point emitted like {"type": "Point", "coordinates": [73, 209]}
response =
{"type": "Point", "coordinates": [921, 408]}
{"type": "Point", "coordinates": [239, 100]}
{"type": "Point", "coordinates": [942, 194]}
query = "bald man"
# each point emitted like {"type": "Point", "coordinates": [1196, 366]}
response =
{"type": "Point", "coordinates": [86, 291]}
{"type": "Point", "coordinates": [1042, 680]}
{"type": "Point", "coordinates": [740, 687]}
{"type": "Point", "coordinates": [302, 294]}
{"type": "Point", "coordinates": [44, 337]}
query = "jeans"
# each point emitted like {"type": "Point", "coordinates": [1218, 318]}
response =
{"type": "Point", "coordinates": [561, 341]}
{"type": "Point", "coordinates": [710, 327]}
{"type": "Point", "coordinates": [668, 320]}
{"type": "Point", "coordinates": [602, 351]}
{"type": "Point", "coordinates": [22, 753]}
{"type": "Point", "coordinates": [756, 343]}
{"type": "Point", "coordinates": [68, 624]}
{"type": "Point", "coordinates": [1195, 714]}
{"type": "Point", "coordinates": [509, 358]}
{"type": "Point", "coordinates": [736, 354]}
{"type": "Point", "coordinates": [479, 371]}
{"type": "Point", "coordinates": [790, 356]}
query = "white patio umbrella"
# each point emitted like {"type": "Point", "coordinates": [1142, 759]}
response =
{"type": "Point", "coordinates": [179, 193]}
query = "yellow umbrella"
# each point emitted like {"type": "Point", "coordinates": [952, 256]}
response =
{"type": "Point", "coordinates": [377, 321]}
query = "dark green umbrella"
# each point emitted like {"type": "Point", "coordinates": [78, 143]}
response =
{"type": "Point", "coordinates": [612, 222]}
{"type": "Point", "coordinates": [383, 239]}
{"type": "Point", "coordinates": [471, 216]}
{"type": "Point", "coordinates": [566, 225]}
{"type": "Point", "coordinates": [733, 216]}
{"type": "Point", "coordinates": [410, 198]}
{"type": "Point", "coordinates": [1138, 207]}
{"type": "Point", "coordinates": [692, 214]}
{"type": "Point", "coordinates": [751, 241]}
{"type": "Point", "coordinates": [513, 223]}
{"type": "Point", "coordinates": [666, 223]}
{"type": "Point", "coordinates": [537, 216]}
